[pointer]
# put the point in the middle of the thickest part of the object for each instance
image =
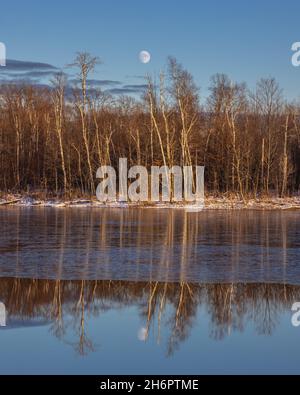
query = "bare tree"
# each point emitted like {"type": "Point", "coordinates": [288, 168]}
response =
{"type": "Point", "coordinates": [58, 93]}
{"type": "Point", "coordinates": [86, 64]}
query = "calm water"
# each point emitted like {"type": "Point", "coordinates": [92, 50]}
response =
{"type": "Point", "coordinates": [149, 291]}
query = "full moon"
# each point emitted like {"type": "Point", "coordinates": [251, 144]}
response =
{"type": "Point", "coordinates": [144, 56]}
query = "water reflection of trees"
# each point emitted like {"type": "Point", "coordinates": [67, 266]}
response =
{"type": "Point", "coordinates": [137, 244]}
{"type": "Point", "coordinates": [174, 306]}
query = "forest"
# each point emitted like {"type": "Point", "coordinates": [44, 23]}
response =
{"type": "Point", "coordinates": [53, 139]}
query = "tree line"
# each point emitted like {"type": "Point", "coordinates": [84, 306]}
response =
{"type": "Point", "coordinates": [53, 139]}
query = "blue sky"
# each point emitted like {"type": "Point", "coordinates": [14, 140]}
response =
{"type": "Point", "coordinates": [245, 39]}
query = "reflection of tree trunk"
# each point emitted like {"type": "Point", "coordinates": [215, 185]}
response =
{"type": "Point", "coordinates": [57, 311]}
{"type": "Point", "coordinates": [150, 308]}
{"type": "Point", "coordinates": [161, 309]}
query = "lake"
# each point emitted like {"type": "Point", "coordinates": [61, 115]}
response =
{"type": "Point", "coordinates": [152, 291]}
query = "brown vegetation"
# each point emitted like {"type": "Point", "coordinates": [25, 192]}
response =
{"type": "Point", "coordinates": [54, 141]}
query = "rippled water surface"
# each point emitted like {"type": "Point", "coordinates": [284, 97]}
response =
{"type": "Point", "coordinates": [157, 244]}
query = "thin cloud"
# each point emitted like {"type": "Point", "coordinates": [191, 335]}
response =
{"type": "Point", "coordinates": [25, 72]}
{"type": "Point", "coordinates": [95, 82]}
{"type": "Point", "coordinates": [22, 82]}
{"type": "Point", "coordinates": [39, 74]}
{"type": "Point", "coordinates": [138, 77]}
{"type": "Point", "coordinates": [124, 91]}
{"type": "Point", "coordinates": [136, 86]}
{"type": "Point", "coordinates": [20, 65]}
{"type": "Point", "coordinates": [31, 74]}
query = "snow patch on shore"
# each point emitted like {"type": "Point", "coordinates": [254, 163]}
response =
{"type": "Point", "coordinates": [211, 203]}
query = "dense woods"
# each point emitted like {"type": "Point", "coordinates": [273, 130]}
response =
{"type": "Point", "coordinates": [53, 139]}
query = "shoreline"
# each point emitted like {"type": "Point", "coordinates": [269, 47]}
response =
{"type": "Point", "coordinates": [211, 203]}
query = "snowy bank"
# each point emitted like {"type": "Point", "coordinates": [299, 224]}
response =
{"type": "Point", "coordinates": [211, 203]}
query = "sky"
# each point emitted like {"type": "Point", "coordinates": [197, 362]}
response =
{"type": "Point", "coordinates": [245, 39]}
